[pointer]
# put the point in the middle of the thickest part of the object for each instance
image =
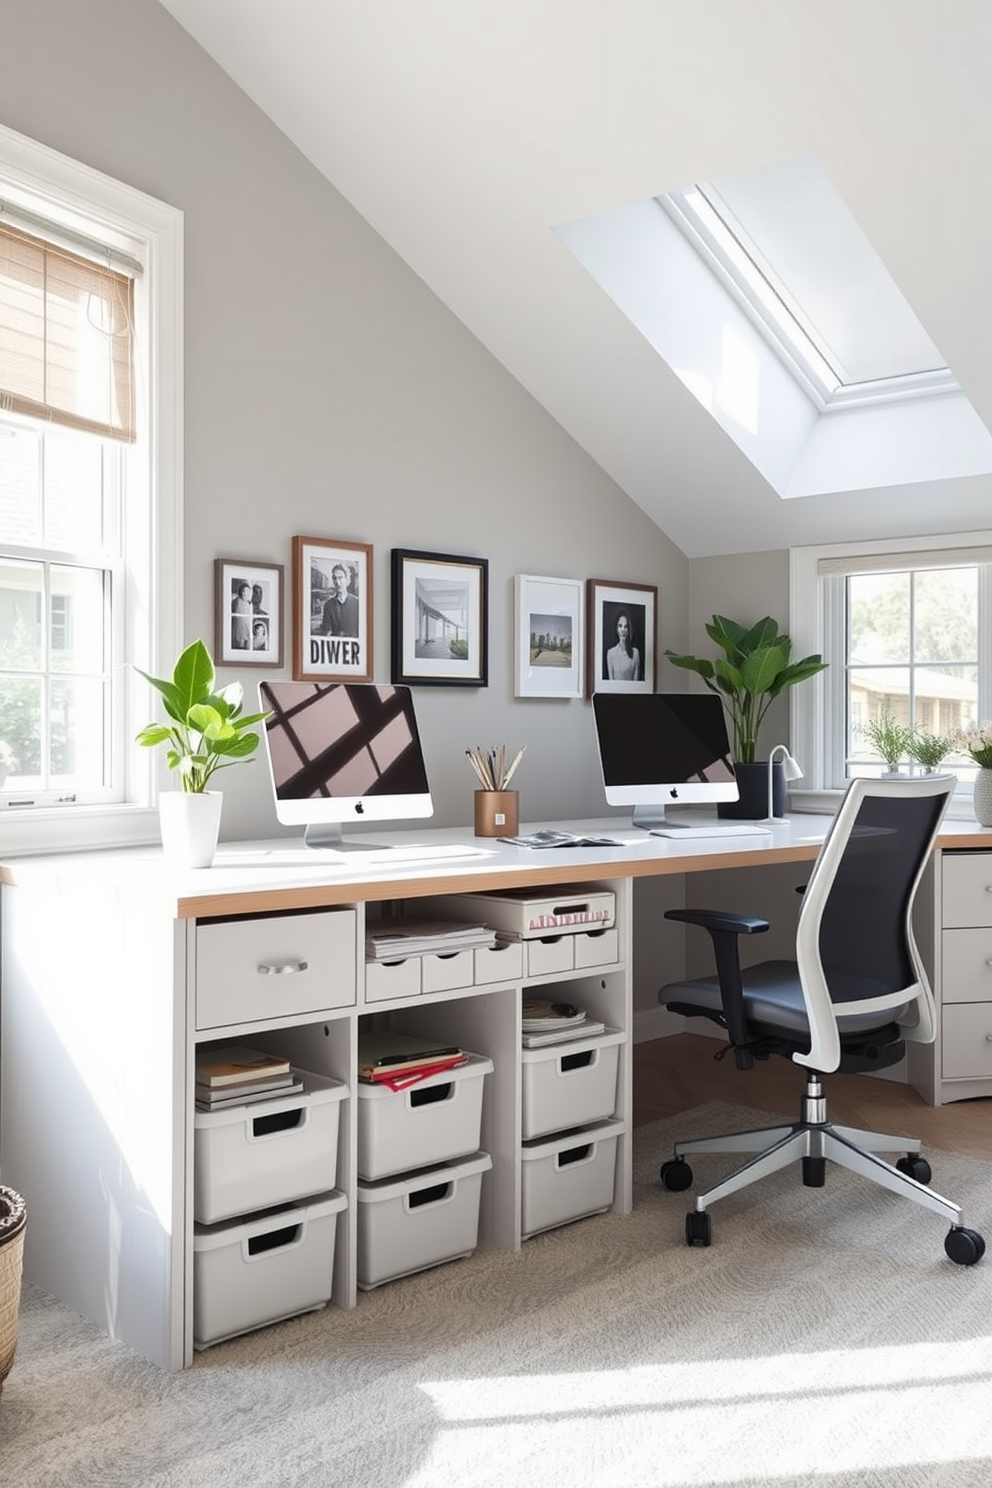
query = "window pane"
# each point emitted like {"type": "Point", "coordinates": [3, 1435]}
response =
{"type": "Point", "coordinates": [946, 615]}
{"type": "Point", "coordinates": [878, 618]}
{"type": "Point", "coordinates": [77, 620]}
{"type": "Point", "coordinates": [73, 492]}
{"type": "Point", "coordinates": [76, 732]}
{"type": "Point", "coordinates": [21, 610]}
{"type": "Point", "coordinates": [20, 731]}
{"type": "Point", "coordinates": [20, 486]}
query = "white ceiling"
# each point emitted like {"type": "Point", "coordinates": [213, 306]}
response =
{"type": "Point", "coordinates": [465, 131]}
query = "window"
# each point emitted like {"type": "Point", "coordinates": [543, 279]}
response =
{"type": "Point", "coordinates": [90, 498]}
{"type": "Point", "coordinates": [907, 634]}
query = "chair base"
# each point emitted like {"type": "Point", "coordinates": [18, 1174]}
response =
{"type": "Point", "coordinates": [813, 1139]}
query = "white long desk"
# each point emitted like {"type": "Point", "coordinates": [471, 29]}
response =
{"type": "Point", "coordinates": [114, 969]}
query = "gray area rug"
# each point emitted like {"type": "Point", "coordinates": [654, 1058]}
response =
{"type": "Point", "coordinates": [823, 1338]}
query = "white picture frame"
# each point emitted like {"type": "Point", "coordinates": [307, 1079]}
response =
{"type": "Point", "coordinates": [548, 637]}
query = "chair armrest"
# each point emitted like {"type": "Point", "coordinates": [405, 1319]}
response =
{"type": "Point", "coordinates": [719, 919]}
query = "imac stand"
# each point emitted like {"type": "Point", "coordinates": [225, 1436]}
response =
{"type": "Point", "coordinates": [328, 836]}
{"type": "Point", "coordinates": [649, 817]}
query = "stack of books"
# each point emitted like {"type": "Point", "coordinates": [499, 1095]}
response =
{"type": "Point", "coordinates": [398, 1060]}
{"type": "Point", "coordinates": [394, 939]}
{"type": "Point", "coordinates": [237, 1075]}
{"type": "Point", "coordinates": [548, 1022]}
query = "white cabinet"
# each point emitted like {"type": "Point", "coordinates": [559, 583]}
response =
{"type": "Point", "coordinates": [958, 1066]}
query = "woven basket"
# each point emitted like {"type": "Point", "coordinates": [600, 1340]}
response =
{"type": "Point", "coordinates": [13, 1218]}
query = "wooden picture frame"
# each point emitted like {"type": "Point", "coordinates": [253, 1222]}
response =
{"type": "Point", "coordinates": [548, 637]}
{"type": "Point", "coordinates": [248, 626]}
{"type": "Point", "coordinates": [332, 610]}
{"type": "Point", "coordinates": [615, 663]}
{"type": "Point", "coordinates": [440, 619]}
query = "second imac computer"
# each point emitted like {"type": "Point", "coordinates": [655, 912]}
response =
{"type": "Point", "coordinates": [343, 752]}
{"type": "Point", "coordinates": [664, 749]}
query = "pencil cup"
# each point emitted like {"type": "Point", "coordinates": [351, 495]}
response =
{"type": "Point", "coordinates": [497, 813]}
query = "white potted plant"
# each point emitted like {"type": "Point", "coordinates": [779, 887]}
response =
{"type": "Point", "coordinates": [892, 740]}
{"type": "Point", "coordinates": [206, 732]}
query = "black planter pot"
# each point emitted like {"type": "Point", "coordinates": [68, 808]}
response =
{"type": "Point", "coordinates": [752, 782]}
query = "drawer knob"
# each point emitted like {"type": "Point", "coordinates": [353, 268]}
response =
{"type": "Point", "coordinates": [281, 968]}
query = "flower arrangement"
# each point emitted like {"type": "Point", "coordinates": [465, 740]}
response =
{"type": "Point", "coordinates": [976, 740]}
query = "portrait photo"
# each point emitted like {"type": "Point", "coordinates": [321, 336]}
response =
{"type": "Point", "coordinates": [332, 610]}
{"type": "Point", "coordinates": [247, 612]}
{"type": "Point", "coordinates": [621, 624]}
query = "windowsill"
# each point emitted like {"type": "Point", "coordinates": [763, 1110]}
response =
{"type": "Point", "coordinates": [826, 802]}
{"type": "Point", "coordinates": [87, 829]}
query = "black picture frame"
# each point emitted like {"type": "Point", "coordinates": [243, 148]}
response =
{"type": "Point", "coordinates": [440, 619]}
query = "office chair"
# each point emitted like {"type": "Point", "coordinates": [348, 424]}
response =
{"type": "Point", "coordinates": [853, 996]}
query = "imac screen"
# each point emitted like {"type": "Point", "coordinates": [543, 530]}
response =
{"type": "Point", "coordinates": [663, 748]}
{"type": "Point", "coordinates": [343, 752]}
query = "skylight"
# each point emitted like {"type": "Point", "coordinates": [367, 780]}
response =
{"type": "Point", "coordinates": [783, 243]}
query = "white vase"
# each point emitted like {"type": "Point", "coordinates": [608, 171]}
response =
{"type": "Point", "coordinates": [190, 823]}
{"type": "Point", "coordinates": [983, 797]}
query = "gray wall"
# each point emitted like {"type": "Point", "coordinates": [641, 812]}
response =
{"type": "Point", "coordinates": [328, 392]}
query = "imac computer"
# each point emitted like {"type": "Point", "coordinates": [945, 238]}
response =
{"type": "Point", "coordinates": [664, 749]}
{"type": "Point", "coordinates": [343, 752]}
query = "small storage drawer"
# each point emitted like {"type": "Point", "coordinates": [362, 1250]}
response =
{"type": "Point", "coordinates": [433, 1121]}
{"type": "Point", "coordinates": [966, 889]}
{"type": "Point", "coordinates": [966, 966]}
{"type": "Point", "coordinates": [569, 1084]}
{"type": "Point", "coordinates": [262, 1267]}
{"type": "Point", "coordinates": [275, 966]}
{"type": "Point", "coordinates": [597, 947]}
{"type": "Point", "coordinates": [441, 973]}
{"type": "Point", "coordinates": [251, 1157]}
{"type": "Point", "coordinates": [547, 957]}
{"type": "Point", "coordinates": [385, 980]}
{"type": "Point", "coordinates": [966, 1030]}
{"type": "Point", "coordinates": [568, 1176]}
{"type": "Point", "coordinates": [503, 962]}
{"type": "Point", "coordinates": [411, 1223]}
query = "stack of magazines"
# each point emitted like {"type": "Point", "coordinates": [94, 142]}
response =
{"type": "Point", "coordinates": [237, 1075]}
{"type": "Point", "coordinates": [550, 1022]}
{"type": "Point", "coordinates": [395, 939]}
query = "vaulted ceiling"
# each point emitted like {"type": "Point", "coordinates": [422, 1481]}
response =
{"type": "Point", "coordinates": [465, 132]}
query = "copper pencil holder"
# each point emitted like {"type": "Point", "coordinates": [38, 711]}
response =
{"type": "Point", "coordinates": [497, 813]}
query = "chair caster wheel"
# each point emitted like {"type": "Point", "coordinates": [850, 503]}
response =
{"type": "Point", "coordinates": [964, 1247]}
{"type": "Point", "coordinates": [697, 1228]}
{"type": "Point", "coordinates": [916, 1167]}
{"type": "Point", "coordinates": [676, 1175]}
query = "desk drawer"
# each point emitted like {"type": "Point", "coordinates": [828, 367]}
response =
{"type": "Point", "coordinates": [547, 957]}
{"type": "Point", "coordinates": [596, 947]}
{"type": "Point", "coordinates": [276, 966]}
{"type": "Point", "coordinates": [966, 966]}
{"type": "Point", "coordinates": [966, 889]}
{"type": "Point", "coordinates": [967, 1041]}
{"type": "Point", "coordinates": [386, 980]}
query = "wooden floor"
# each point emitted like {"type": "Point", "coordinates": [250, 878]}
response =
{"type": "Point", "coordinates": [674, 1074]}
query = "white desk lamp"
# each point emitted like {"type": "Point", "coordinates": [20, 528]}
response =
{"type": "Point", "coordinates": [790, 769]}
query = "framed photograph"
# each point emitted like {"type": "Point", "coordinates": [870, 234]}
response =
{"type": "Point", "coordinates": [547, 639]}
{"type": "Point", "coordinates": [332, 610]}
{"type": "Point", "coordinates": [440, 629]}
{"type": "Point", "coordinates": [621, 636]}
{"type": "Point", "coordinates": [247, 613]}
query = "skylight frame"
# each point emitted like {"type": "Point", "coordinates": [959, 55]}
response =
{"type": "Point", "coordinates": [736, 262]}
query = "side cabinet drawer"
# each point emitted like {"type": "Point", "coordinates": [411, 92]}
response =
{"type": "Point", "coordinates": [275, 966]}
{"type": "Point", "coordinates": [966, 966]}
{"type": "Point", "coordinates": [966, 889]}
{"type": "Point", "coordinates": [967, 1041]}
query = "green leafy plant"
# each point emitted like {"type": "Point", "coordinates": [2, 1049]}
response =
{"type": "Point", "coordinates": [929, 750]}
{"type": "Point", "coordinates": [207, 731]}
{"type": "Point", "coordinates": [753, 670]}
{"type": "Point", "coordinates": [976, 741]}
{"type": "Point", "coordinates": [892, 740]}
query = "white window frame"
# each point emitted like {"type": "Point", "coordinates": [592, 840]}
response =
{"type": "Point", "coordinates": [816, 610]}
{"type": "Point", "coordinates": [153, 600]}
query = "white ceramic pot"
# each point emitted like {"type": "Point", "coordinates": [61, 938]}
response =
{"type": "Point", "coordinates": [190, 823]}
{"type": "Point", "coordinates": [983, 797]}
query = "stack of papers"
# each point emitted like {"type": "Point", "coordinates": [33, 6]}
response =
{"type": "Point", "coordinates": [547, 1022]}
{"type": "Point", "coordinates": [394, 939]}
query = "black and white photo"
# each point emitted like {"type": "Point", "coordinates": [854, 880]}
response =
{"type": "Point", "coordinates": [332, 609]}
{"type": "Point", "coordinates": [621, 624]}
{"type": "Point", "coordinates": [247, 612]}
{"type": "Point", "coordinates": [440, 624]}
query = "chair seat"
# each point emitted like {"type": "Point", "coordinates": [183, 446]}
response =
{"type": "Point", "coordinates": [773, 998]}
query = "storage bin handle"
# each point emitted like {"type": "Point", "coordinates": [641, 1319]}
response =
{"type": "Point", "coordinates": [278, 1123]}
{"type": "Point", "coordinates": [282, 1239]}
{"type": "Point", "coordinates": [430, 1198]}
{"type": "Point", "coordinates": [575, 1155]}
{"type": "Point", "coordinates": [580, 1060]}
{"type": "Point", "coordinates": [281, 968]}
{"type": "Point", "coordinates": [430, 1095]}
